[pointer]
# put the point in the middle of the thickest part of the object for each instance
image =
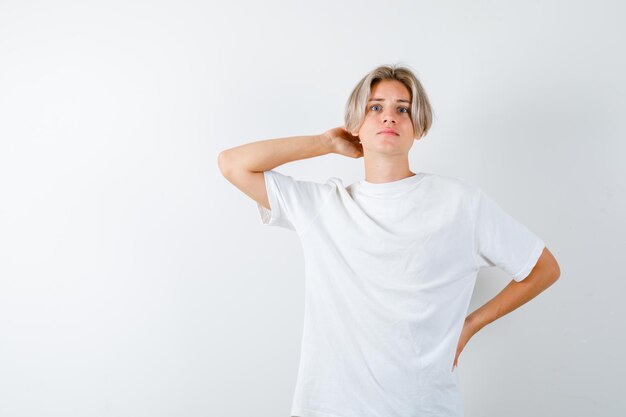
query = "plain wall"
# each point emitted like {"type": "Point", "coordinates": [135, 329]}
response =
{"type": "Point", "coordinates": [136, 281]}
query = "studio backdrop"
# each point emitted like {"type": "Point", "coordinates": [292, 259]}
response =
{"type": "Point", "coordinates": [135, 280]}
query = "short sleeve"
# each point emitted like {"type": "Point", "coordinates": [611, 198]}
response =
{"type": "Point", "coordinates": [294, 204]}
{"type": "Point", "coordinates": [502, 241]}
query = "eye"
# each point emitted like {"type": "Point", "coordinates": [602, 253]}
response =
{"type": "Point", "coordinates": [402, 109]}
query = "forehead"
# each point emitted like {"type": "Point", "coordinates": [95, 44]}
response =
{"type": "Point", "coordinates": [391, 89]}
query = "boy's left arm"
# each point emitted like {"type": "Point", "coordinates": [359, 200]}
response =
{"type": "Point", "coordinates": [515, 294]}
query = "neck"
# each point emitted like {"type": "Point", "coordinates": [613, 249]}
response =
{"type": "Point", "coordinates": [386, 168]}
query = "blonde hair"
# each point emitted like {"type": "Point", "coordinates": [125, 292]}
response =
{"type": "Point", "coordinates": [421, 112]}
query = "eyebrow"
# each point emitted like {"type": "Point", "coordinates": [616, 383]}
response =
{"type": "Point", "coordinates": [380, 99]}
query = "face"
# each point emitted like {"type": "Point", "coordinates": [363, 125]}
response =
{"type": "Point", "coordinates": [388, 108]}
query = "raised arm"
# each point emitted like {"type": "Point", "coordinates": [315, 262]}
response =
{"type": "Point", "coordinates": [243, 165]}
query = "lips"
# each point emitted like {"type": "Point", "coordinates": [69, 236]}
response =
{"type": "Point", "coordinates": [388, 132]}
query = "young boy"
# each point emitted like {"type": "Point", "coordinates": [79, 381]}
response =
{"type": "Point", "coordinates": [391, 260]}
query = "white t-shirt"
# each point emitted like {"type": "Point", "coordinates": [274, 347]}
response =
{"type": "Point", "coordinates": [389, 273]}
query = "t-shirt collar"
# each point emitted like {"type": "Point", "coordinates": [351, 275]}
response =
{"type": "Point", "coordinates": [385, 188]}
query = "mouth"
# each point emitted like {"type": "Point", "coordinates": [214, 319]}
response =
{"type": "Point", "coordinates": [388, 132]}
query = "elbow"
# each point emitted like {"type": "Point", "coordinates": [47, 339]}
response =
{"type": "Point", "coordinates": [556, 271]}
{"type": "Point", "coordinates": [554, 268]}
{"type": "Point", "coordinates": [553, 273]}
{"type": "Point", "coordinates": [550, 265]}
{"type": "Point", "coordinates": [222, 162]}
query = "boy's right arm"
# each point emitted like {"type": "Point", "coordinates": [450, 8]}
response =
{"type": "Point", "coordinates": [243, 166]}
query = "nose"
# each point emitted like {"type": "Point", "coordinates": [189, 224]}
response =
{"type": "Point", "coordinates": [388, 116]}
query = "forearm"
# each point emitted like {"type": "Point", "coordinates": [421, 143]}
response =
{"type": "Point", "coordinates": [511, 297]}
{"type": "Point", "coordinates": [267, 154]}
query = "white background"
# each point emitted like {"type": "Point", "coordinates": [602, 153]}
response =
{"type": "Point", "coordinates": [136, 281]}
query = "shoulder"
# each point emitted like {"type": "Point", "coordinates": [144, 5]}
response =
{"type": "Point", "coordinates": [291, 181]}
{"type": "Point", "coordinates": [453, 184]}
